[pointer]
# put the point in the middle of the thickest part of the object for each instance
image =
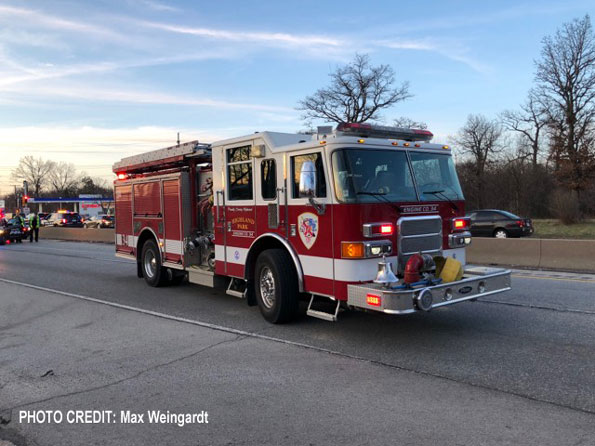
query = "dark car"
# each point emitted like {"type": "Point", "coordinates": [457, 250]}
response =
{"type": "Point", "coordinates": [12, 231]}
{"type": "Point", "coordinates": [499, 224]}
{"type": "Point", "coordinates": [101, 221]}
{"type": "Point", "coordinates": [67, 220]}
{"type": "Point", "coordinates": [4, 232]}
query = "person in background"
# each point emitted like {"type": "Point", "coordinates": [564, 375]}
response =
{"type": "Point", "coordinates": [34, 224]}
{"type": "Point", "coordinates": [19, 221]}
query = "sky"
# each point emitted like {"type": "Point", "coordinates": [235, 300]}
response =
{"type": "Point", "coordinates": [92, 81]}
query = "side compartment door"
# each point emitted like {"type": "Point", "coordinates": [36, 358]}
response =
{"type": "Point", "coordinates": [123, 229]}
{"type": "Point", "coordinates": [172, 221]}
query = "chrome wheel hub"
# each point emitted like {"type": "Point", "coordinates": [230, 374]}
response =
{"type": "Point", "coordinates": [267, 287]}
{"type": "Point", "coordinates": [150, 264]}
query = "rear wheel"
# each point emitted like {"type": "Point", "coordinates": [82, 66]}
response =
{"type": "Point", "coordinates": [276, 286]}
{"type": "Point", "coordinates": [152, 270]}
{"type": "Point", "coordinates": [500, 233]}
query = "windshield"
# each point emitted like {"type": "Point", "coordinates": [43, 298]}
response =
{"type": "Point", "coordinates": [436, 177]}
{"type": "Point", "coordinates": [364, 176]}
{"type": "Point", "coordinates": [361, 176]}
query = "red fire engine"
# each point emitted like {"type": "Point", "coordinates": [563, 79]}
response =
{"type": "Point", "coordinates": [362, 217]}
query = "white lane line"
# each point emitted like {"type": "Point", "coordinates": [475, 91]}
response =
{"type": "Point", "coordinates": [559, 279]}
{"type": "Point", "coordinates": [167, 316]}
{"type": "Point", "coordinates": [73, 256]}
{"type": "Point", "coordinates": [48, 248]}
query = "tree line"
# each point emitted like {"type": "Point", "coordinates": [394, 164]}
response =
{"type": "Point", "coordinates": [48, 178]}
{"type": "Point", "coordinates": [537, 160]}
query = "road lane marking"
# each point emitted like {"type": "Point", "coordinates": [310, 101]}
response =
{"type": "Point", "coordinates": [537, 307]}
{"type": "Point", "coordinates": [46, 253]}
{"type": "Point", "coordinates": [288, 342]}
{"type": "Point", "coordinates": [560, 279]}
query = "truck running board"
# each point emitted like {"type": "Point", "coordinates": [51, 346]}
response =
{"type": "Point", "coordinates": [237, 288]}
{"type": "Point", "coordinates": [324, 315]}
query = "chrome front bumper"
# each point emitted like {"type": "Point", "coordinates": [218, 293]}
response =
{"type": "Point", "coordinates": [477, 282]}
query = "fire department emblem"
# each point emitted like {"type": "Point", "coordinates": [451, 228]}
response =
{"type": "Point", "coordinates": [308, 227]}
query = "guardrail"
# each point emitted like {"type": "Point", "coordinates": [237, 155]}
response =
{"type": "Point", "coordinates": [557, 254]}
{"type": "Point", "coordinates": [77, 234]}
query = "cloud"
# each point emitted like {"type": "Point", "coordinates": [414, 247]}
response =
{"type": "Point", "coordinates": [38, 18]}
{"type": "Point", "coordinates": [453, 50]}
{"type": "Point", "coordinates": [49, 71]}
{"type": "Point", "coordinates": [90, 93]}
{"type": "Point", "coordinates": [244, 36]}
{"type": "Point", "coordinates": [157, 6]}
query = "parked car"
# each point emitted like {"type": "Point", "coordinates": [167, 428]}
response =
{"type": "Point", "coordinates": [101, 221]}
{"type": "Point", "coordinates": [499, 224]}
{"type": "Point", "coordinates": [69, 220]}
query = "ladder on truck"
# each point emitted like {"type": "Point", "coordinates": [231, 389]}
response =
{"type": "Point", "coordinates": [161, 157]}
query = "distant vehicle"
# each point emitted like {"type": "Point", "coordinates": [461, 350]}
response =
{"type": "Point", "coordinates": [70, 220]}
{"type": "Point", "coordinates": [101, 221]}
{"type": "Point", "coordinates": [499, 224]}
{"type": "Point", "coordinates": [4, 232]}
{"type": "Point", "coordinates": [43, 215]}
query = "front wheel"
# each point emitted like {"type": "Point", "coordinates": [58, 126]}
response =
{"type": "Point", "coordinates": [500, 233]}
{"type": "Point", "coordinates": [152, 270]}
{"type": "Point", "coordinates": [276, 286]}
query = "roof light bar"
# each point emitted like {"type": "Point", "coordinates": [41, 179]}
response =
{"type": "Point", "coordinates": [384, 131]}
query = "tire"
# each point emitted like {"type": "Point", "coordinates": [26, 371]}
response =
{"type": "Point", "coordinates": [276, 286]}
{"type": "Point", "coordinates": [153, 273]}
{"type": "Point", "coordinates": [500, 233]}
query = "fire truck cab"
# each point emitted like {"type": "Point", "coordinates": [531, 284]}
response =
{"type": "Point", "coordinates": [358, 216]}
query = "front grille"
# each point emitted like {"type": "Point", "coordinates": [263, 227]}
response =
{"type": "Point", "coordinates": [418, 234]}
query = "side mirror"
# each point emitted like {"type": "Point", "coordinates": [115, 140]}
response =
{"type": "Point", "coordinates": [308, 186]}
{"type": "Point", "coordinates": [308, 179]}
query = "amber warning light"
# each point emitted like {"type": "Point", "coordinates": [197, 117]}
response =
{"type": "Point", "coordinates": [373, 299]}
{"type": "Point", "coordinates": [459, 224]}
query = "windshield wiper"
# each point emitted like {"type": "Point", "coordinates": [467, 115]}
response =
{"type": "Point", "coordinates": [380, 196]}
{"type": "Point", "coordinates": [440, 193]}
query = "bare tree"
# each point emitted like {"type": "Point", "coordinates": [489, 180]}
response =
{"type": "Point", "coordinates": [35, 171]}
{"type": "Point", "coordinates": [408, 123]}
{"type": "Point", "coordinates": [566, 84]}
{"type": "Point", "coordinates": [64, 178]}
{"type": "Point", "coordinates": [89, 185]}
{"type": "Point", "coordinates": [529, 122]}
{"type": "Point", "coordinates": [479, 138]}
{"type": "Point", "coordinates": [357, 93]}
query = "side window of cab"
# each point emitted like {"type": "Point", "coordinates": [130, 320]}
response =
{"type": "Point", "coordinates": [239, 173]}
{"type": "Point", "coordinates": [308, 162]}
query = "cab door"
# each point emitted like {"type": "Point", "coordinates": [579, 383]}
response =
{"type": "Point", "coordinates": [310, 219]}
{"type": "Point", "coordinates": [240, 207]}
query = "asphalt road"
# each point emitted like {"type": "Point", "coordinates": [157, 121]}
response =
{"type": "Point", "coordinates": [517, 368]}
